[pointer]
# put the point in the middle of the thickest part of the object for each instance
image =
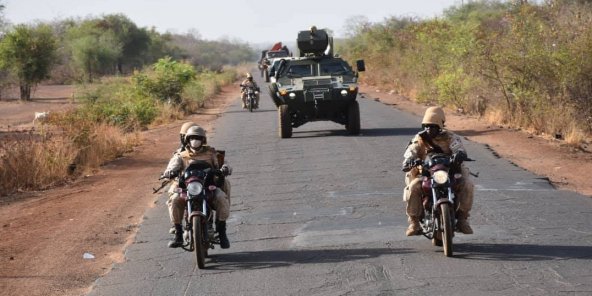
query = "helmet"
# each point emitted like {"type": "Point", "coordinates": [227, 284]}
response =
{"type": "Point", "coordinates": [434, 115]}
{"type": "Point", "coordinates": [249, 76]}
{"type": "Point", "coordinates": [186, 126]}
{"type": "Point", "coordinates": [196, 131]}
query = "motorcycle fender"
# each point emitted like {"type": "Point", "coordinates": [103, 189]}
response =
{"type": "Point", "coordinates": [196, 213]}
{"type": "Point", "coordinates": [441, 201]}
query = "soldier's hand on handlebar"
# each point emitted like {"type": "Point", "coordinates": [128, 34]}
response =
{"type": "Point", "coordinates": [226, 170]}
{"type": "Point", "coordinates": [168, 175]}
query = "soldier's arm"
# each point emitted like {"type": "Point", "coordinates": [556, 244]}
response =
{"type": "Point", "coordinates": [456, 144]}
{"type": "Point", "coordinates": [175, 164]}
{"type": "Point", "coordinates": [412, 150]}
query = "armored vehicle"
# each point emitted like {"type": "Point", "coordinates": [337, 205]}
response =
{"type": "Point", "coordinates": [315, 86]}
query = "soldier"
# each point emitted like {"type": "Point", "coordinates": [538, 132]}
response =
{"type": "Point", "coordinates": [451, 144]}
{"type": "Point", "coordinates": [249, 83]}
{"type": "Point", "coordinates": [182, 133]}
{"type": "Point", "coordinates": [195, 140]}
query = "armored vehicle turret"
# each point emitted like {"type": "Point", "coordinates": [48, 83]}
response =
{"type": "Point", "coordinates": [317, 85]}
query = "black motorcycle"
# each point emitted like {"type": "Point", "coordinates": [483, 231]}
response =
{"type": "Point", "coordinates": [440, 174]}
{"type": "Point", "coordinates": [197, 186]}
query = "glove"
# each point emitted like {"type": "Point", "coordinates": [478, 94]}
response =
{"type": "Point", "coordinates": [226, 170]}
{"type": "Point", "coordinates": [459, 157]}
{"type": "Point", "coordinates": [169, 175]}
{"type": "Point", "coordinates": [407, 165]}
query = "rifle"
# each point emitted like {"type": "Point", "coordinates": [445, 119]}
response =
{"type": "Point", "coordinates": [162, 185]}
{"type": "Point", "coordinates": [433, 147]}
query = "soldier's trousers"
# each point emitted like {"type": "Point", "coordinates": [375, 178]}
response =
{"type": "Point", "coordinates": [413, 194]}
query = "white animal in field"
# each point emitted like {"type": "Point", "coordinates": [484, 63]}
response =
{"type": "Point", "coordinates": [41, 116]}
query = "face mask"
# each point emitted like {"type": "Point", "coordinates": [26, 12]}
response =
{"type": "Point", "coordinates": [195, 144]}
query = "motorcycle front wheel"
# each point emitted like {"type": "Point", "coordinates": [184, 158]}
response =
{"type": "Point", "coordinates": [198, 241]}
{"type": "Point", "coordinates": [250, 104]}
{"type": "Point", "coordinates": [447, 231]}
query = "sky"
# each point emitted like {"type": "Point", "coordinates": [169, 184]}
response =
{"type": "Point", "coordinates": [254, 22]}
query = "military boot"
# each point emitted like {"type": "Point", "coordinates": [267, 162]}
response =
{"type": "Point", "coordinates": [462, 225]}
{"type": "Point", "coordinates": [178, 240]}
{"type": "Point", "coordinates": [221, 229]}
{"type": "Point", "coordinates": [414, 228]}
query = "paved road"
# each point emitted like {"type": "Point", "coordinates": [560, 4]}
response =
{"type": "Point", "coordinates": [321, 214]}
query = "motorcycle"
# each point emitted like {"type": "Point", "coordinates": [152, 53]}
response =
{"type": "Point", "coordinates": [440, 175]}
{"type": "Point", "coordinates": [252, 93]}
{"type": "Point", "coordinates": [196, 186]}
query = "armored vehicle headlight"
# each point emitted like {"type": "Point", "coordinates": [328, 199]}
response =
{"type": "Point", "coordinates": [344, 92]}
{"type": "Point", "coordinates": [283, 92]}
{"type": "Point", "coordinates": [440, 177]}
{"type": "Point", "coordinates": [292, 95]}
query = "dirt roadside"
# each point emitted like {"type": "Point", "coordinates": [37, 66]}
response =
{"type": "Point", "coordinates": [44, 235]}
{"type": "Point", "coordinates": [565, 167]}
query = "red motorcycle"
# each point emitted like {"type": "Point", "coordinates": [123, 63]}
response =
{"type": "Point", "coordinates": [440, 175]}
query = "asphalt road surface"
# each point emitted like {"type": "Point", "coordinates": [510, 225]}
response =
{"type": "Point", "coordinates": [321, 213]}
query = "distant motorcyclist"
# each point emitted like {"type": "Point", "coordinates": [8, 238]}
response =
{"type": "Point", "coordinates": [448, 143]}
{"type": "Point", "coordinates": [245, 85]}
{"type": "Point", "coordinates": [195, 143]}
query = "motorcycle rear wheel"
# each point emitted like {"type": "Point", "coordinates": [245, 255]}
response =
{"type": "Point", "coordinates": [447, 231]}
{"type": "Point", "coordinates": [198, 241]}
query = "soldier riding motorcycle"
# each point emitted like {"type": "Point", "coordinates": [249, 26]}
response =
{"type": "Point", "coordinates": [436, 175]}
{"type": "Point", "coordinates": [196, 151]}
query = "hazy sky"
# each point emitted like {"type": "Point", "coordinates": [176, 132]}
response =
{"type": "Point", "coordinates": [246, 20]}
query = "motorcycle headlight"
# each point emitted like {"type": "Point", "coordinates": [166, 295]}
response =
{"type": "Point", "coordinates": [440, 177]}
{"type": "Point", "coordinates": [194, 188]}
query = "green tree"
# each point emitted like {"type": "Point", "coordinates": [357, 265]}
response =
{"type": "Point", "coordinates": [28, 52]}
{"type": "Point", "coordinates": [134, 41]}
{"type": "Point", "coordinates": [94, 50]}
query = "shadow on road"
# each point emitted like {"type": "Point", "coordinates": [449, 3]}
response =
{"type": "Point", "coordinates": [272, 259]}
{"type": "Point", "coordinates": [255, 111]}
{"type": "Point", "coordinates": [517, 252]}
{"type": "Point", "coordinates": [365, 132]}
{"type": "Point", "coordinates": [384, 132]}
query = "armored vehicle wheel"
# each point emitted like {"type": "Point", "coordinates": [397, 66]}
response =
{"type": "Point", "coordinates": [285, 123]}
{"type": "Point", "coordinates": [353, 118]}
{"type": "Point", "coordinates": [266, 75]}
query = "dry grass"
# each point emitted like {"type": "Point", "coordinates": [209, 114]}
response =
{"type": "Point", "coordinates": [35, 162]}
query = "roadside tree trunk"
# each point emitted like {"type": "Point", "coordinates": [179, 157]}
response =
{"type": "Point", "coordinates": [25, 89]}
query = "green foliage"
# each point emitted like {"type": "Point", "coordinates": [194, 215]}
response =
{"type": "Point", "coordinates": [166, 80]}
{"type": "Point", "coordinates": [211, 55]}
{"type": "Point", "coordinates": [28, 53]}
{"type": "Point", "coordinates": [116, 102]}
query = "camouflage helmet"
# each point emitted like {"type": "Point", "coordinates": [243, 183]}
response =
{"type": "Point", "coordinates": [196, 131]}
{"type": "Point", "coordinates": [186, 126]}
{"type": "Point", "coordinates": [249, 76]}
{"type": "Point", "coordinates": [434, 115]}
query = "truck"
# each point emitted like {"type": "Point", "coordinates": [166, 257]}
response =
{"type": "Point", "coordinates": [269, 55]}
{"type": "Point", "coordinates": [317, 85]}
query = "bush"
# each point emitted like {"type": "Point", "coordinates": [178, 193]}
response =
{"type": "Point", "coordinates": [166, 80]}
